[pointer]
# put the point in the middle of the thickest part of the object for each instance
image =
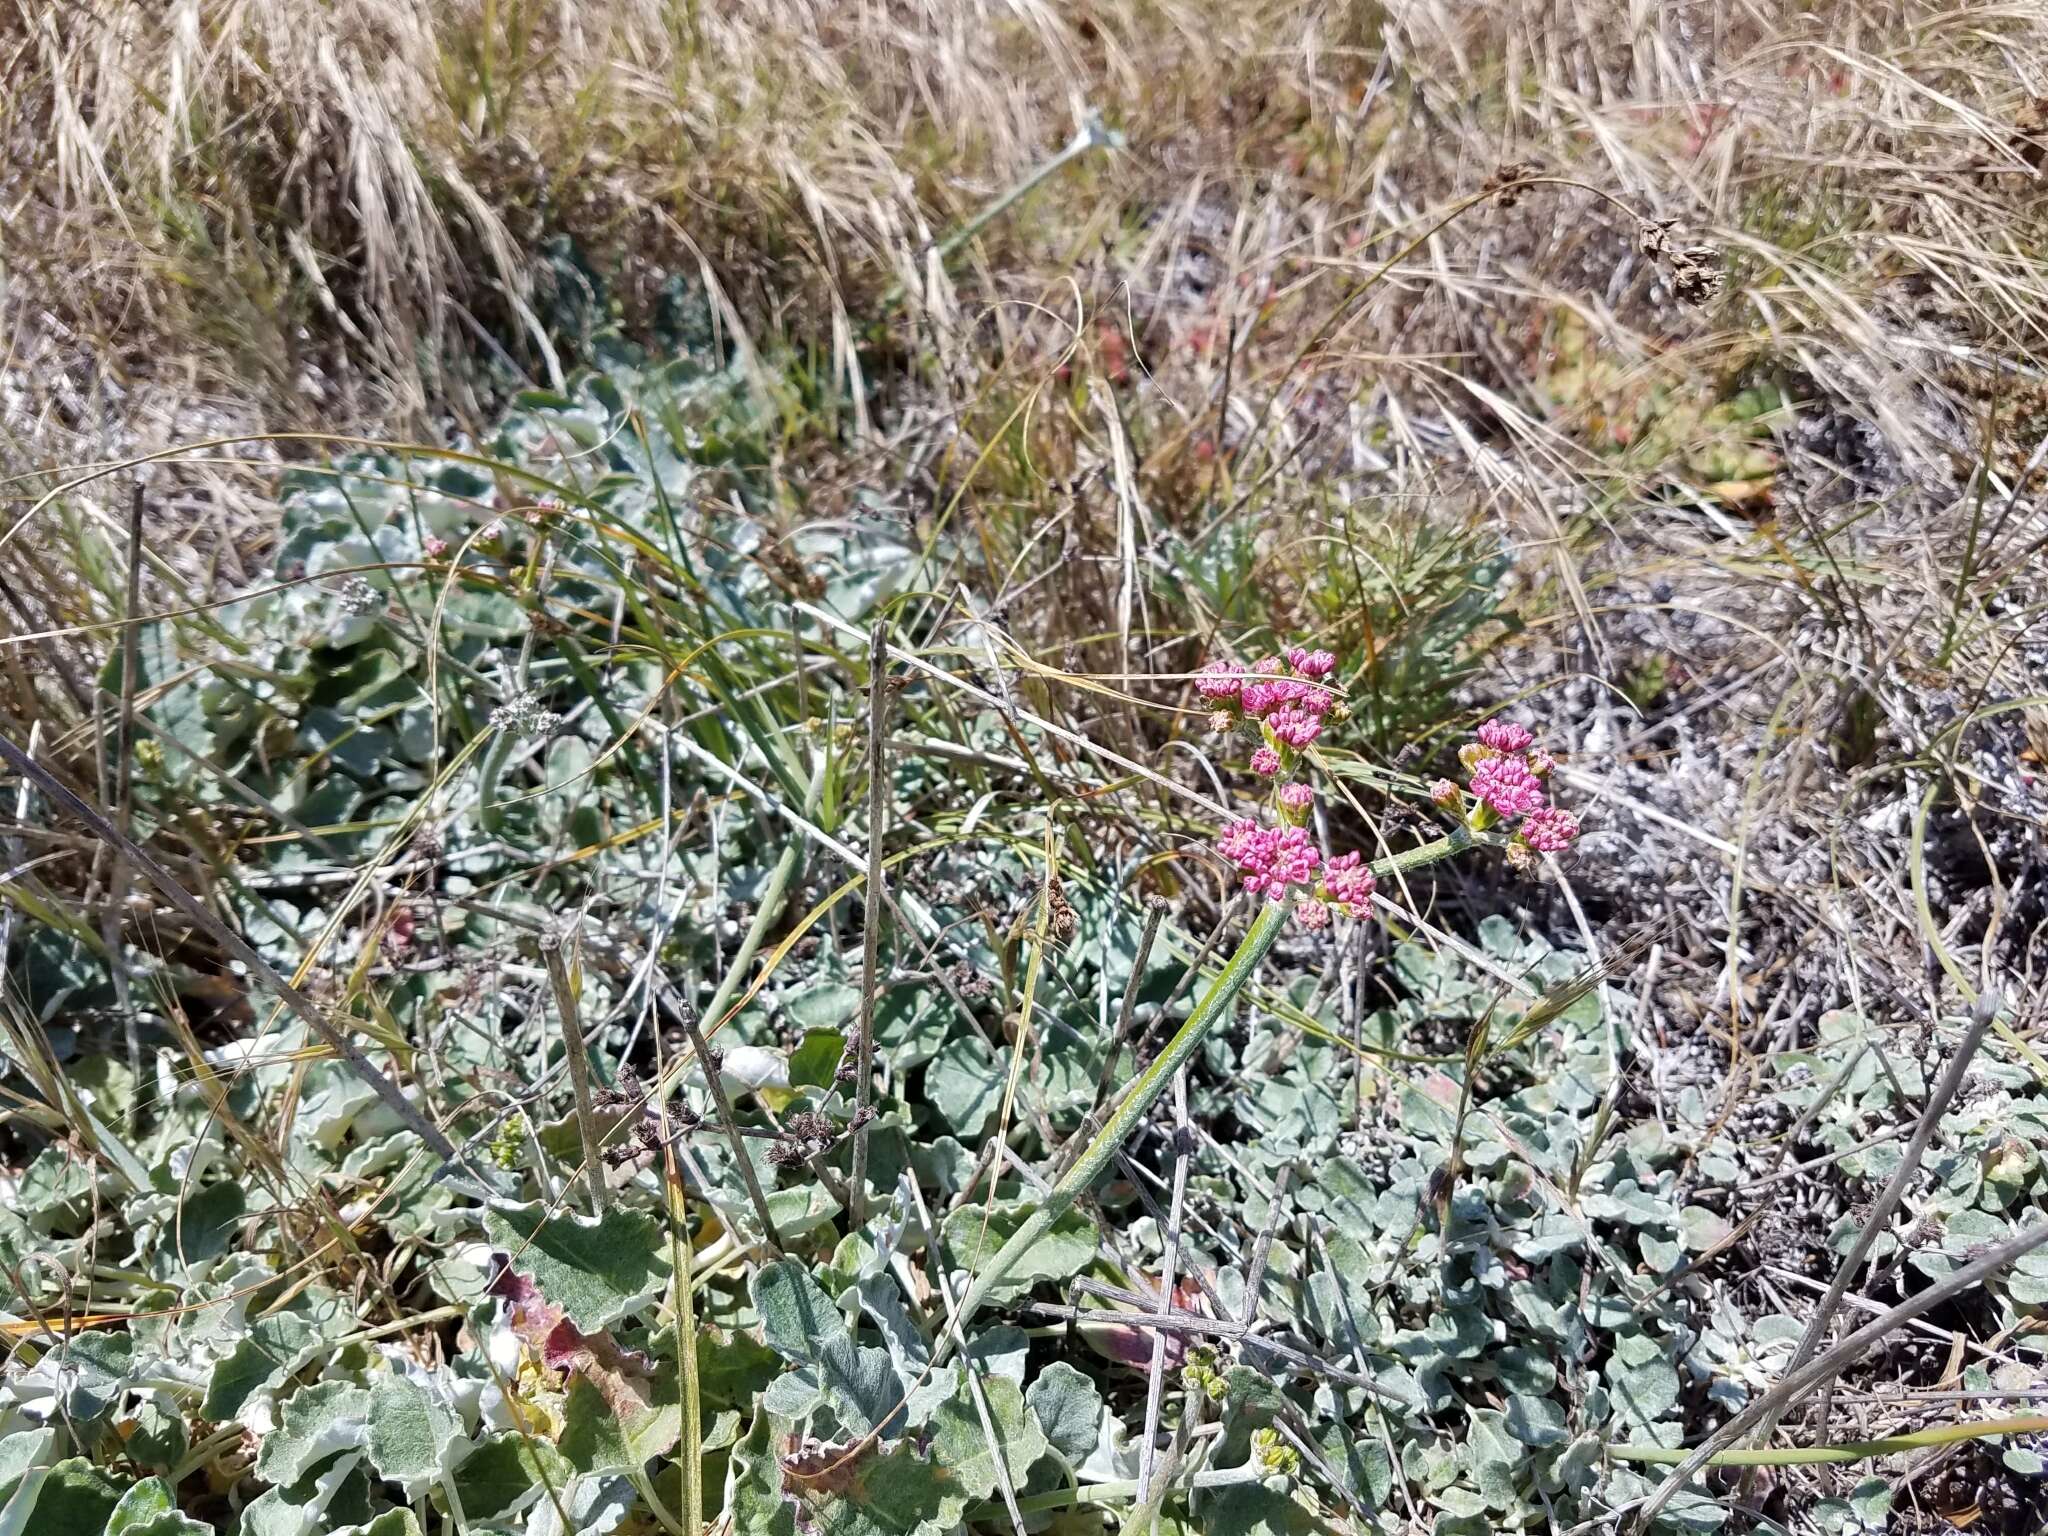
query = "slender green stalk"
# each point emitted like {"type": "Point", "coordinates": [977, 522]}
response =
{"type": "Point", "coordinates": [690, 1466]}
{"type": "Point", "coordinates": [1082, 1495]}
{"type": "Point", "coordinates": [767, 912]}
{"type": "Point", "coordinates": [1848, 1450]}
{"type": "Point", "coordinates": [1210, 1010]}
{"type": "Point", "coordinates": [553, 943]}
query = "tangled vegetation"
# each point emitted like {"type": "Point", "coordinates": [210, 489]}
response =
{"type": "Point", "coordinates": [759, 783]}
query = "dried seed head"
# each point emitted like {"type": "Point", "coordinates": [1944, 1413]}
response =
{"type": "Point", "coordinates": [1061, 917]}
{"type": "Point", "coordinates": [786, 1153]}
{"type": "Point", "coordinates": [809, 1125]}
{"type": "Point", "coordinates": [1696, 275]}
{"type": "Point", "coordinates": [970, 983]}
{"type": "Point", "coordinates": [1653, 237]}
{"type": "Point", "coordinates": [1501, 184]}
{"type": "Point", "coordinates": [360, 598]}
{"type": "Point", "coordinates": [523, 715]}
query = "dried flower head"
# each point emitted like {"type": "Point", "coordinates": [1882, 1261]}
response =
{"type": "Point", "coordinates": [810, 1126]}
{"type": "Point", "coordinates": [1501, 185]}
{"type": "Point", "coordinates": [360, 598]}
{"type": "Point", "coordinates": [1653, 237]}
{"type": "Point", "coordinates": [1696, 275]}
{"type": "Point", "coordinates": [523, 715]}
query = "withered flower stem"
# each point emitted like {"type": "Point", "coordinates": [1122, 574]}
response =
{"type": "Point", "coordinates": [871, 937]}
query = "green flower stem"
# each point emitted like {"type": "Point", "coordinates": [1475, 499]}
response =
{"type": "Point", "coordinates": [1212, 1008]}
{"type": "Point", "coordinates": [1850, 1450]}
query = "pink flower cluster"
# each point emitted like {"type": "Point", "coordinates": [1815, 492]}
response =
{"type": "Point", "coordinates": [1289, 699]}
{"type": "Point", "coordinates": [1348, 885]}
{"type": "Point", "coordinates": [1286, 695]}
{"type": "Point", "coordinates": [1278, 860]}
{"type": "Point", "coordinates": [1270, 858]}
{"type": "Point", "coordinates": [1506, 784]}
{"type": "Point", "coordinates": [1549, 829]}
{"type": "Point", "coordinates": [1507, 778]}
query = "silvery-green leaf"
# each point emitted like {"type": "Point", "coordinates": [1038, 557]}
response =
{"type": "Point", "coordinates": [972, 1238]}
{"type": "Point", "coordinates": [300, 1510]}
{"type": "Point", "coordinates": [506, 1473]}
{"type": "Point", "coordinates": [594, 1505]}
{"type": "Point", "coordinates": [1251, 1509]}
{"type": "Point", "coordinates": [622, 1436]}
{"type": "Point", "coordinates": [410, 1434]}
{"type": "Point", "coordinates": [1535, 1421]}
{"type": "Point", "coordinates": [1068, 1406]}
{"type": "Point", "coordinates": [596, 1270]}
{"type": "Point", "coordinates": [965, 1084]}
{"type": "Point", "coordinates": [23, 1449]}
{"type": "Point", "coordinates": [966, 1452]}
{"type": "Point", "coordinates": [147, 1509]}
{"type": "Point", "coordinates": [795, 1314]}
{"type": "Point", "coordinates": [393, 1522]}
{"type": "Point", "coordinates": [319, 1420]}
{"type": "Point", "coordinates": [753, 1485]}
{"type": "Point", "coordinates": [1642, 1379]}
{"type": "Point", "coordinates": [800, 1323]}
{"type": "Point", "coordinates": [68, 1498]}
